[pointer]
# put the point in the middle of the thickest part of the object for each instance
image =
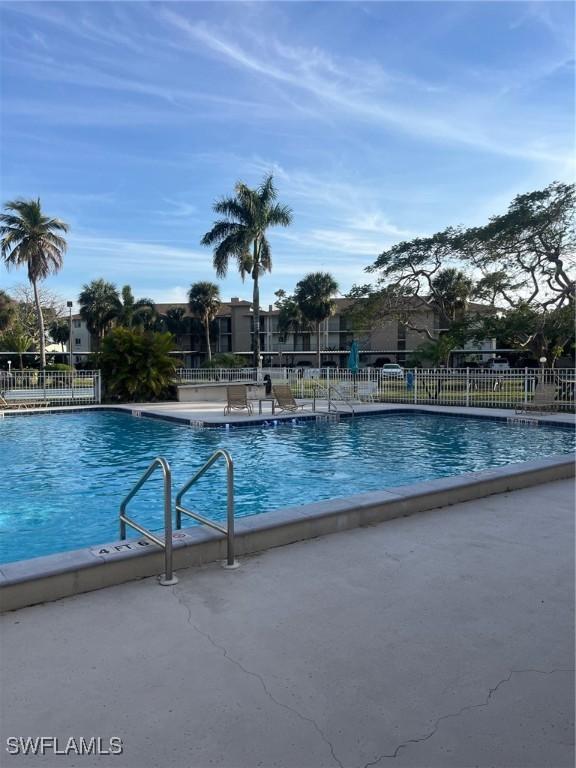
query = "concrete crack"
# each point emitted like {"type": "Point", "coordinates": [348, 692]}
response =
{"type": "Point", "coordinates": [258, 677]}
{"type": "Point", "coordinates": [485, 703]}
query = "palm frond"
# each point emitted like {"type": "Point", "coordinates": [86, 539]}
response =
{"type": "Point", "coordinates": [219, 231]}
{"type": "Point", "coordinates": [280, 215]}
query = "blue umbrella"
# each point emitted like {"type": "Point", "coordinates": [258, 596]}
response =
{"type": "Point", "coordinates": [354, 358]}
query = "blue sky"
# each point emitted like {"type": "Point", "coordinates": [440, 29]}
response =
{"type": "Point", "coordinates": [379, 120]}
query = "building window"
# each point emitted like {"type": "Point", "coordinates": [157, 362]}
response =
{"type": "Point", "coordinates": [77, 341]}
{"type": "Point", "coordinates": [77, 323]}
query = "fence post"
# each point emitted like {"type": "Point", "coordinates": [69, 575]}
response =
{"type": "Point", "coordinates": [415, 386]}
{"type": "Point", "coordinates": [525, 387]}
{"type": "Point", "coordinates": [467, 387]}
{"type": "Point", "coordinates": [98, 383]}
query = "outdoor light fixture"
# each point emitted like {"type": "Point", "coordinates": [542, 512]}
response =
{"type": "Point", "coordinates": [69, 305]}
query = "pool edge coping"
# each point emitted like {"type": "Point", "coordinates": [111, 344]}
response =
{"type": "Point", "coordinates": [43, 579]}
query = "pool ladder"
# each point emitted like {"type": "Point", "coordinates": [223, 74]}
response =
{"type": "Point", "coordinates": [168, 578]}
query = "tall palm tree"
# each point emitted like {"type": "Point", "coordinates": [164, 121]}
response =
{"type": "Point", "coordinates": [132, 312]}
{"type": "Point", "coordinates": [99, 305]}
{"type": "Point", "coordinates": [242, 235]}
{"type": "Point", "coordinates": [30, 237]}
{"type": "Point", "coordinates": [314, 296]}
{"type": "Point", "coordinates": [204, 302]}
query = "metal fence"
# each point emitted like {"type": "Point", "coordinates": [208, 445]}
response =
{"type": "Point", "coordinates": [215, 375]}
{"type": "Point", "coordinates": [51, 387]}
{"type": "Point", "coordinates": [477, 387]}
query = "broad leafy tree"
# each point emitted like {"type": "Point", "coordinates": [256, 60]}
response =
{"type": "Point", "coordinates": [7, 310]}
{"type": "Point", "coordinates": [99, 305]}
{"type": "Point", "coordinates": [290, 317]}
{"type": "Point", "coordinates": [242, 235]}
{"type": "Point", "coordinates": [34, 240]}
{"type": "Point", "coordinates": [518, 263]}
{"type": "Point", "coordinates": [60, 332]}
{"type": "Point", "coordinates": [524, 255]}
{"type": "Point", "coordinates": [204, 302]}
{"type": "Point", "coordinates": [314, 296]}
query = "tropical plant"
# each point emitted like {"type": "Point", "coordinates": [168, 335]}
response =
{"type": "Point", "coordinates": [17, 340]}
{"type": "Point", "coordinates": [204, 303]}
{"type": "Point", "coordinates": [132, 312]}
{"type": "Point", "coordinates": [99, 305]}
{"type": "Point", "coordinates": [242, 235]}
{"type": "Point", "coordinates": [31, 238]}
{"type": "Point", "coordinates": [136, 365]}
{"type": "Point", "coordinates": [225, 360]}
{"type": "Point", "coordinates": [315, 298]}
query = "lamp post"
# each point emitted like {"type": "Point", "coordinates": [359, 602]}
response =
{"type": "Point", "coordinates": [542, 366]}
{"type": "Point", "coordinates": [69, 305]}
{"type": "Point", "coordinates": [9, 367]}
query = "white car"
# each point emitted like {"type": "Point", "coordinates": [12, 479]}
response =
{"type": "Point", "coordinates": [392, 371]}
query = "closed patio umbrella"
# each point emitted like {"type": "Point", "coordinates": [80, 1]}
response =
{"type": "Point", "coordinates": [354, 358]}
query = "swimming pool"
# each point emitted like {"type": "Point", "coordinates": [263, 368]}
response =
{"type": "Point", "coordinates": [64, 475]}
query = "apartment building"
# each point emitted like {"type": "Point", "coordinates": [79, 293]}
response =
{"type": "Point", "coordinates": [389, 341]}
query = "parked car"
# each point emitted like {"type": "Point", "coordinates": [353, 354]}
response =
{"type": "Point", "coordinates": [392, 371]}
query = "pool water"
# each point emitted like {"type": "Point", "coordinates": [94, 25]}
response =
{"type": "Point", "coordinates": [63, 476]}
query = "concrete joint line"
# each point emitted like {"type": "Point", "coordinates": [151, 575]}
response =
{"type": "Point", "coordinates": [257, 676]}
{"type": "Point", "coordinates": [485, 703]}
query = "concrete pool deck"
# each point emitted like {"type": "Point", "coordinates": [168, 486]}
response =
{"type": "Point", "coordinates": [444, 639]}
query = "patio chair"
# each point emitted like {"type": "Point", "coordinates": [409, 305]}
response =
{"type": "Point", "coordinates": [285, 398]}
{"type": "Point", "coordinates": [543, 400]}
{"type": "Point", "coordinates": [237, 397]}
{"type": "Point", "coordinates": [14, 404]}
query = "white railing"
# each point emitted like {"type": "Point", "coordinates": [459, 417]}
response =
{"type": "Point", "coordinates": [479, 387]}
{"type": "Point", "coordinates": [51, 387]}
{"type": "Point", "coordinates": [215, 375]}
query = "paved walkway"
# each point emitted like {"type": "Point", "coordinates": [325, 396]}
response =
{"type": "Point", "coordinates": [440, 640]}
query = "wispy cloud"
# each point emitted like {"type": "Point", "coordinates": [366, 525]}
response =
{"type": "Point", "coordinates": [348, 90]}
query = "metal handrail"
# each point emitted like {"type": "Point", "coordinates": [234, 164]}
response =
{"type": "Point", "coordinates": [167, 577]}
{"type": "Point", "coordinates": [229, 530]}
{"type": "Point", "coordinates": [328, 392]}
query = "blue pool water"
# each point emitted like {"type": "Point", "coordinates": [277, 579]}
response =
{"type": "Point", "coordinates": [63, 476]}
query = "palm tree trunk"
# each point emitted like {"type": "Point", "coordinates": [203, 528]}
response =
{"type": "Point", "coordinates": [318, 345]}
{"type": "Point", "coordinates": [40, 325]}
{"type": "Point", "coordinates": [207, 328]}
{"type": "Point", "coordinates": [256, 308]}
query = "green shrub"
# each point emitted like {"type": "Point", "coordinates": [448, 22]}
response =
{"type": "Point", "coordinates": [136, 365]}
{"type": "Point", "coordinates": [59, 367]}
{"type": "Point", "coordinates": [224, 360]}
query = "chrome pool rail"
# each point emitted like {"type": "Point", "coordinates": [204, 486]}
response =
{"type": "Point", "coordinates": [228, 531]}
{"type": "Point", "coordinates": [167, 578]}
{"type": "Point", "coordinates": [327, 393]}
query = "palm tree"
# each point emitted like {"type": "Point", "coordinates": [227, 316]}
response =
{"type": "Point", "coordinates": [242, 235]}
{"type": "Point", "coordinates": [451, 290]}
{"type": "Point", "coordinates": [204, 301]}
{"type": "Point", "coordinates": [31, 238]}
{"type": "Point", "coordinates": [99, 305]}
{"type": "Point", "coordinates": [314, 296]}
{"type": "Point", "coordinates": [132, 312]}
